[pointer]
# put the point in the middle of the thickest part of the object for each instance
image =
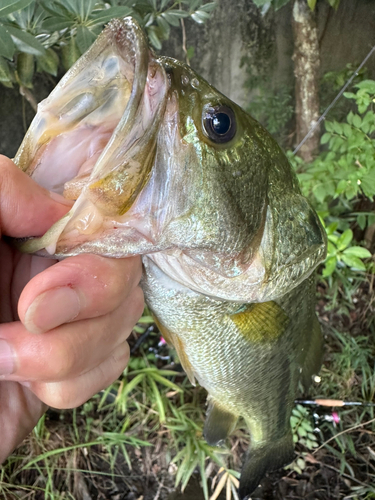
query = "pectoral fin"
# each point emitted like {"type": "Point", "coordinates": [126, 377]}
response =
{"type": "Point", "coordinates": [219, 423]}
{"type": "Point", "coordinates": [177, 343]}
{"type": "Point", "coordinates": [263, 322]}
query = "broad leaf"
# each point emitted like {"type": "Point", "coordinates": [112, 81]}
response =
{"type": "Point", "coordinates": [154, 39]}
{"type": "Point", "coordinates": [200, 16]}
{"type": "Point", "coordinates": [7, 46]}
{"type": "Point", "coordinates": [359, 252]}
{"type": "Point", "coordinates": [171, 18]}
{"type": "Point", "coordinates": [49, 62]}
{"type": "Point", "coordinates": [367, 85]}
{"type": "Point", "coordinates": [5, 74]}
{"type": "Point", "coordinates": [344, 239]}
{"type": "Point", "coordinates": [210, 6]}
{"type": "Point", "coordinates": [311, 4]}
{"type": "Point", "coordinates": [56, 9]}
{"type": "Point", "coordinates": [25, 69]}
{"type": "Point", "coordinates": [56, 23]}
{"type": "Point", "coordinates": [9, 6]}
{"type": "Point", "coordinates": [85, 38]}
{"type": "Point", "coordinates": [25, 42]}
{"type": "Point", "coordinates": [353, 262]}
{"type": "Point", "coordinates": [106, 15]}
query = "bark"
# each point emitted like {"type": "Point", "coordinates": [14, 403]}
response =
{"type": "Point", "coordinates": [306, 70]}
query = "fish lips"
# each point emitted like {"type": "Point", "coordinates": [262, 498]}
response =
{"type": "Point", "coordinates": [94, 138]}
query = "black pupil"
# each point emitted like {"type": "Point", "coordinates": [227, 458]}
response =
{"type": "Point", "coordinates": [221, 123]}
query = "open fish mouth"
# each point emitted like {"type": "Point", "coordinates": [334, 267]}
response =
{"type": "Point", "coordinates": [93, 139]}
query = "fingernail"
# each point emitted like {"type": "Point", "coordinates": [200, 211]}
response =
{"type": "Point", "coordinates": [7, 364]}
{"type": "Point", "coordinates": [52, 309]}
{"type": "Point", "coordinates": [60, 199]}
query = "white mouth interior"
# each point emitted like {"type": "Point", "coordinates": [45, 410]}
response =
{"type": "Point", "coordinates": [76, 122]}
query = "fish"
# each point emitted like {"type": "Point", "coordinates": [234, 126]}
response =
{"type": "Point", "coordinates": [158, 163]}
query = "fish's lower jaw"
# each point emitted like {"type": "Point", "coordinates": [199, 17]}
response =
{"type": "Point", "coordinates": [262, 458]}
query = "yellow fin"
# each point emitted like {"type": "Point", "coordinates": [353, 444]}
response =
{"type": "Point", "coordinates": [263, 322]}
{"type": "Point", "coordinates": [177, 343]}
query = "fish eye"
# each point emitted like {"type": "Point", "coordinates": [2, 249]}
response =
{"type": "Point", "coordinates": [219, 124]}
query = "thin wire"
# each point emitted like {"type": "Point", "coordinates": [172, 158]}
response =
{"type": "Point", "coordinates": [334, 101]}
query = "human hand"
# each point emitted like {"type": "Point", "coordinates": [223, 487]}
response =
{"type": "Point", "coordinates": [63, 325]}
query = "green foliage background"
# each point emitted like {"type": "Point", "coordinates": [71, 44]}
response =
{"type": "Point", "coordinates": [44, 35]}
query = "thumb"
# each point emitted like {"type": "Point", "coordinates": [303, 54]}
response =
{"type": "Point", "coordinates": [26, 209]}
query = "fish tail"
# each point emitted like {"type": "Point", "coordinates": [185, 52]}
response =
{"type": "Point", "coordinates": [264, 457]}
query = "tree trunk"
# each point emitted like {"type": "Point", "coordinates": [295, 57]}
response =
{"type": "Point", "coordinates": [306, 70]}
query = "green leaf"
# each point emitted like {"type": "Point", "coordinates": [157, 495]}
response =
{"type": "Point", "coordinates": [25, 69]}
{"type": "Point", "coordinates": [9, 6]}
{"type": "Point", "coordinates": [349, 118]}
{"type": "Point", "coordinates": [106, 15]}
{"type": "Point", "coordinates": [319, 192]}
{"type": "Point", "coordinates": [211, 6]}
{"type": "Point", "coordinates": [353, 262]}
{"type": "Point", "coordinates": [311, 4]}
{"type": "Point", "coordinates": [361, 221]}
{"type": "Point", "coordinates": [159, 401]}
{"type": "Point", "coordinates": [5, 74]}
{"type": "Point", "coordinates": [49, 62]}
{"type": "Point", "coordinates": [359, 252]}
{"type": "Point", "coordinates": [130, 386]}
{"type": "Point", "coordinates": [85, 38]}
{"type": "Point", "coordinates": [25, 42]}
{"type": "Point", "coordinates": [166, 382]}
{"type": "Point", "coordinates": [344, 239]}
{"type": "Point", "coordinates": [70, 53]}
{"type": "Point", "coordinates": [301, 432]}
{"type": "Point", "coordinates": [368, 184]}
{"type": "Point", "coordinates": [334, 3]}
{"type": "Point", "coordinates": [332, 227]}
{"type": "Point", "coordinates": [200, 17]}
{"type": "Point", "coordinates": [357, 121]}
{"type": "Point", "coordinates": [173, 16]}
{"type": "Point", "coordinates": [260, 3]}
{"type": "Point", "coordinates": [171, 19]}
{"type": "Point", "coordinates": [57, 23]}
{"type": "Point", "coordinates": [325, 138]}
{"type": "Point", "coordinates": [367, 85]}
{"type": "Point", "coordinates": [190, 52]}
{"type": "Point", "coordinates": [57, 9]}
{"type": "Point", "coordinates": [330, 266]}
{"type": "Point", "coordinates": [154, 39]}
{"type": "Point", "coordinates": [7, 46]}
{"type": "Point", "coordinates": [277, 4]}
{"type": "Point", "coordinates": [163, 26]}
{"type": "Point", "coordinates": [329, 126]}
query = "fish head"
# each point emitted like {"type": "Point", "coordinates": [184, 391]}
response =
{"type": "Point", "coordinates": [160, 163]}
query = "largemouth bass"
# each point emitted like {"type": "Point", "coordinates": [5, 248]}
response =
{"type": "Point", "coordinates": [159, 163]}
